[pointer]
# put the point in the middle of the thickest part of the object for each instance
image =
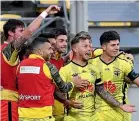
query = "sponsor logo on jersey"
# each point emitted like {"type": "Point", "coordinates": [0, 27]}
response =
{"type": "Point", "coordinates": [109, 86]}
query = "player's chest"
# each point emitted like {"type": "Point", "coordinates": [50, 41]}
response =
{"type": "Point", "coordinates": [85, 73]}
{"type": "Point", "coordinates": [111, 72]}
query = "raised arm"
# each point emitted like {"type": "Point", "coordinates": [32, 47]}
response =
{"type": "Point", "coordinates": [34, 26]}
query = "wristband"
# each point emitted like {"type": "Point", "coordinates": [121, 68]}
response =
{"type": "Point", "coordinates": [43, 14]}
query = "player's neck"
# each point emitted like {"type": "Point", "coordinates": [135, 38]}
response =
{"type": "Point", "coordinates": [106, 58]}
{"type": "Point", "coordinates": [10, 39]}
{"type": "Point", "coordinates": [56, 55]}
{"type": "Point", "coordinates": [79, 61]}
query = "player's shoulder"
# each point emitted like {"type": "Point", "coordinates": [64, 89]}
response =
{"type": "Point", "coordinates": [97, 52]}
{"type": "Point", "coordinates": [95, 59]}
{"type": "Point", "coordinates": [122, 59]}
{"type": "Point", "coordinates": [122, 55]}
{"type": "Point", "coordinates": [126, 57]}
{"type": "Point", "coordinates": [67, 65]}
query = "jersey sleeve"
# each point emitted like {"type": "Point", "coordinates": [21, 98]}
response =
{"type": "Point", "coordinates": [125, 57]}
{"type": "Point", "coordinates": [97, 52]}
{"type": "Point", "coordinates": [10, 55]}
{"type": "Point", "coordinates": [46, 71]}
{"type": "Point", "coordinates": [63, 74]}
{"type": "Point", "coordinates": [130, 72]}
{"type": "Point", "coordinates": [128, 68]}
{"type": "Point", "coordinates": [131, 62]}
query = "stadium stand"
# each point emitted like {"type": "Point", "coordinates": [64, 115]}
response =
{"type": "Point", "coordinates": [23, 8]}
{"type": "Point", "coordinates": [8, 16]}
{"type": "Point", "coordinates": [113, 11]}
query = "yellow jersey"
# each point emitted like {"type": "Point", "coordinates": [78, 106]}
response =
{"type": "Point", "coordinates": [113, 76]}
{"type": "Point", "coordinates": [84, 95]}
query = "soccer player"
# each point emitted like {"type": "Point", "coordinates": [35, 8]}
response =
{"type": "Point", "coordinates": [51, 37]}
{"type": "Point", "coordinates": [59, 48]}
{"type": "Point", "coordinates": [58, 41]}
{"type": "Point", "coordinates": [16, 35]}
{"type": "Point", "coordinates": [113, 71]}
{"type": "Point", "coordinates": [79, 67]}
{"type": "Point", "coordinates": [35, 84]}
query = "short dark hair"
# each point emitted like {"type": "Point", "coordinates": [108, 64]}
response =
{"type": "Point", "coordinates": [47, 35]}
{"type": "Point", "coordinates": [81, 35]}
{"type": "Point", "coordinates": [37, 41]}
{"type": "Point", "coordinates": [108, 36]}
{"type": "Point", "coordinates": [57, 32]}
{"type": "Point", "coordinates": [3, 38]}
{"type": "Point", "coordinates": [11, 25]}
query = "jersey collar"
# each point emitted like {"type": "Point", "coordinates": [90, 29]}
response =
{"type": "Point", "coordinates": [56, 56]}
{"type": "Point", "coordinates": [109, 62]}
{"type": "Point", "coordinates": [35, 56]}
{"type": "Point", "coordinates": [78, 64]}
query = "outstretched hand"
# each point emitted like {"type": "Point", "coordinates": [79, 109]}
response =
{"type": "Point", "coordinates": [128, 108]}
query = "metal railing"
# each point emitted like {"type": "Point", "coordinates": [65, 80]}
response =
{"type": "Point", "coordinates": [45, 23]}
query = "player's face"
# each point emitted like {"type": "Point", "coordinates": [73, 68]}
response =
{"type": "Point", "coordinates": [84, 49]}
{"type": "Point", "coordinates": [18, 33]}
{"type": "Point", "coordinates": [61, 43]}
{"type": "Point", "coordinates": [111, 48]}
{"type": "Point", "coordinates": [46, 51]}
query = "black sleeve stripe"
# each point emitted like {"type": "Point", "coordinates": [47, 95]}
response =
{"type": "Point", "coordinates": [120, 53]}
{"type": "Point", "coordinates": [122, 59]}
{"type": "Point", "coordinates": [97, 81]}
{"type": "Point", "coordinates": [124, 91]}
{"type": "Point", "coordinates": [132, 75]}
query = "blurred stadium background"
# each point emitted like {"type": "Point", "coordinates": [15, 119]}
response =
{"type": "Point", "coordinates": [92, 16]}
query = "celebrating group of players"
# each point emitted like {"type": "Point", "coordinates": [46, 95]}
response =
{"type": "Point", "coordinates": [39, 84]}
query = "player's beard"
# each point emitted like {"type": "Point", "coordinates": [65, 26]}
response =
{"type": "Point", "coordinates": [47, 58]}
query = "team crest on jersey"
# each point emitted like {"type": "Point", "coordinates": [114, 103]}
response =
{"type": "Point", "coordinates": [117, 73]}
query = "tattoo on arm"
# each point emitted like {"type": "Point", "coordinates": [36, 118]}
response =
{"type": "Point", "coordinates": [106, 95]}
{"type": "Point", "coordinates": [28, 33]}
{"type": "Point", "coordinates": [7, 51]}
{"type": "Point", "coordinates": [63, 86]}
{"type": "Point", "coordinates": [59, 96]}
{"type": "Point", "coordinates": [20, 42]}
